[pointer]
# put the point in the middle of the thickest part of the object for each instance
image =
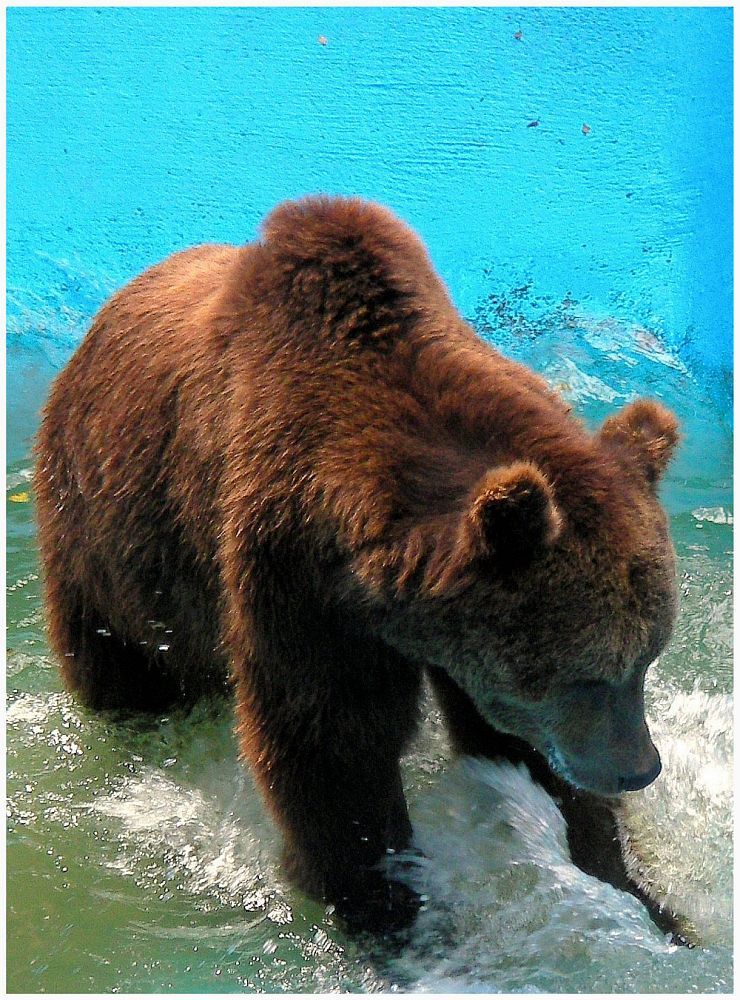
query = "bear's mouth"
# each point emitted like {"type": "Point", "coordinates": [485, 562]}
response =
{"type": "Point", "coordinates": [577, 778]}
{"type": "Point", "coordinates": [607, 784]}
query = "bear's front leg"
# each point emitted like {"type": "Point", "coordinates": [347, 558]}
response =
{"type": "Point", "coordinates": [591, 820]}
{"type": "Point", "coordinates": [338, 833]}
{"type": "Point", "coordinates": [325, 745]}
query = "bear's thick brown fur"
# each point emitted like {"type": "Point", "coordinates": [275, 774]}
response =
{"type": "Point", "coordinates": [293, 465]}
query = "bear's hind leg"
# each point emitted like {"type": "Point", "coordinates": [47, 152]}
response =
{"type": "Point", "coordinates": [102, 669]}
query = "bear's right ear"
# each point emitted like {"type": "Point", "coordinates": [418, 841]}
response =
{"type": "Point", "coordinates": [512, 514]}
{"type": "Point", "coordinates": [647, 432]}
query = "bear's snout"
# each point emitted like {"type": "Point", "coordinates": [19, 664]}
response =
{"type": "Point", "coordinates": [599, 739]}
{"type": "Point", "coordinates": [641, 779]}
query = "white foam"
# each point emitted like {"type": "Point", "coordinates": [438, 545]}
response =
{"type": "Point", "coordinates": [212, 850]}
{"type": "Point", "coordinates": [504, 894]}
{"type": "Point", "coordinates": [18, 477]}
{"type": "Point", "coordinates": [681, 826]}
{"type": "Point", "coordinates": [715, 515]}
{"type": "Point", "coordinates": [33, 713]}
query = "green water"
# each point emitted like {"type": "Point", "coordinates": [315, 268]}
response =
{"type": "Point", "coordinates": [140, 859]}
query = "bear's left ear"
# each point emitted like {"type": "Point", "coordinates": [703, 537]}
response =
{"type": "Point", "coordinates": [513, 514]}
{"type": "Point", "coordinates": [648, 432]}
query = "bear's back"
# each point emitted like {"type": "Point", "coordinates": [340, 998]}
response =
{"type": "Point", "coordinates": [129, 428]}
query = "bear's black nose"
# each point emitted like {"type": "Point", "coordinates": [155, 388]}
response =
{"type": "Point", "coordinates": [634, 782]}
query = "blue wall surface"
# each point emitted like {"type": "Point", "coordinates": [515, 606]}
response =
{"type": "Point", "coordinates": [133, 132]}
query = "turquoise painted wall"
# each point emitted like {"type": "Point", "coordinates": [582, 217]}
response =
{"type": "Point", "coordinates": [134, 132]}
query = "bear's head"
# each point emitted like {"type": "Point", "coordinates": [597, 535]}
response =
{"type": "Point", "coordinates": [547, 598]}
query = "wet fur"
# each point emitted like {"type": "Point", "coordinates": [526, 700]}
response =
{"type": "Point", "coordinates": [257, 459]}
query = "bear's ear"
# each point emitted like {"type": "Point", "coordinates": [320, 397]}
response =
{"type": "Point", "coordinates": [647, 432]}
{"type": "Point", "coordinates": [513, 514]}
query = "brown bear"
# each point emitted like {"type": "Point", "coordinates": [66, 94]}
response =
{"type": "Point", "coordinates": [292, 467]}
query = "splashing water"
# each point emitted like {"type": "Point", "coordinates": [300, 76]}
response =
{"type": "Point", "coordinates": [515, 914]}
{"type": "Point", "coordinates": [185, 851]}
